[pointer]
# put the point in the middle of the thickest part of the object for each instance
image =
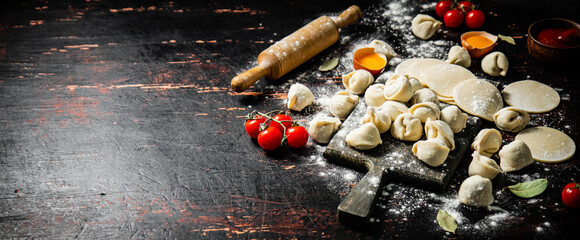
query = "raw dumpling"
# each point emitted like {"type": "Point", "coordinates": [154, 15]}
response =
{"type": "Point", "coordinates": [483, 166]}
{"type": "Point", "coordinates": [424, 26]}
{"type": "Point", "coordinates": [380, 119]}
{"type": "Point", "coordinates": [398, 88]}
{"type": "Point", "coordinates": [406, 127]}
{"type": "Point", "coordinates": [459, 56]}
{"type": "Point", "coordinates": [495, 64]}
{"type": "Point", "coordinates": [299, 97]}
{"type": "Point", "coordinates": [394, 108]}
{"type": "Point", "coordinates": [453, 116]}
{"type": "Point", "coordinates": [384, 48]}
{"type": "Point", "coordinates": [365, 137]}
{"type": "Point", "coordinates": [322, 129]}
{"type": "Point", "coordinates": [440, 131]}
{"type": "Point", "coordinates": [374, 95]}
{"type": "Point", "coordinates": [415, 84]}
{"type": "Point", "coordinates": [358, 81]}
{"type": "Point", "coordinates": [430, 152]}
{"type": "Point", "coordinates": [515, 156]}
{"type": "Point", "coordinates": [487, 142]}
{"type": "Point", "coordinates": [511, 119]}
{"type": "Point", "coordinates": [424, 95]}
{"type": "Point", "coordinates": [425, 110]}
{"type": "Point", "coordinates": [342, 103]}
{"type": "Point", "coordinates": [476, 191]}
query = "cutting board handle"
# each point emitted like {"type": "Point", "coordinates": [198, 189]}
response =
{"type": "Point", "coordinates": [357, 206]}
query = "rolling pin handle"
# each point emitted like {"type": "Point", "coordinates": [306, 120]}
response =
{"type": "Point", "coordinates": [350, 15]}
{"type": "Point", "coordinates": [357, 206]}
{"type": "Point", "coordinates": [248, 78]}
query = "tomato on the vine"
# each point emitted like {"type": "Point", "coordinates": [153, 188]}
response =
{"type": "Point", "coordinates": [453, 18]}
{"type": "Point", "coordinates": [254, 126]}
{"type": "Point", "coordinates": [443, 6]}
{"type": "Point", "coordinates": [474, 19]}
{"type": "Point", "coordinates": [571, 195]}
{"type": "Point", "coordinates": [296, 136]}
{"type": "Point", "coordinates": [465, 6]}
{"type": "Point", "coordinates": [285, 119]}
{"type": "Point", "coordinates": [270, 139]}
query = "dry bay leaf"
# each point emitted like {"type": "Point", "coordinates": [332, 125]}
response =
{"type": "Point", "coordinates": [529, 189]}
{"type": "Point", "coordinates": [328, 65]}
{"type": "Point", "coordinates": [446, 221]}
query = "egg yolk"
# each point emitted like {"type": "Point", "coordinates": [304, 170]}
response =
{"type": "Point", "coordinates": [478, 41]}
{"type": "Point", "coordinates": [372, 61]}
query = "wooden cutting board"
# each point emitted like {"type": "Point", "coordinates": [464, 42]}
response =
{"type": "Point", "coordinates": [392, 161]}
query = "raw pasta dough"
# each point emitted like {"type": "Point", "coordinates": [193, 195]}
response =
{"type": "Point", "coordinates": [358, 81]}
{"type": "Point", "coordinates": [424, 26]}
{"type": "Point", "coordinates": [342, 104]}
{"type": "Point", "coordinates": [478, 97]}
{"type": "Point", "coordinates": [299, 97]}
{"type": "Point", "coordinates": [453, 116]}
{"type": "Point", "coordinates": [515, 156]}
{"type": "Point", "coordinates": [511, 119]}
{"type": "Point", "coordinates": [374, 95]}
{"type": "Point", "coordinates": [487, 142]}
{"type": "Point", "coordinates": [431, 152]}
{"type": "Point", "coordinates": [459, 56]}
{"type": "Point", "coordinates": [476, 191]}
{"type": "Point", "coordinates": [547, 144]}
{"type": "Point", "coordinates": [495, 64]}
{"type": "Point", "coordinates": [322, 129]}
{"type": "Point", "coordinates": [414, 67]}
{"type": "Point", "coordinates": [406, 127]}
{"type": "Point", "coordinates": [365, 137]}
{"type": "Point", "coordinates": [443, 78]}
{"type": "Point", "coordinates": [483, 166]}
{"type": "Point", "coordinates": [531, 96]}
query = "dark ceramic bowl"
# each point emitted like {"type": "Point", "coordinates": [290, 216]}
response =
{"type": "Point", "coordinates": [549, 54]}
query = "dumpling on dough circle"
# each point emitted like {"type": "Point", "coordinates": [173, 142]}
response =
{"type": "Point", "coordinates": [487, 142]}
{"type": "Point", "coordinates": [358, 81]}
{"type": "Point", "coordinates": [430, 152]}
{"type": "Point", "coordinates": [365, 137]}
{"type": "Point", "coordinates": [511, 119]}
{"type": "Point", "coordinates": [380, 119]}
{"type": "Point", "coordinates": [478, 97]}
{"type": "Point", "coordinates": [515, 156]}
{"type": "Point", "coordinates": [495, 64]}
{"type": "Point", "coordinates": [406, 127]}
{"type": "Point", "coordinates": [424, 26]}
{"type": "Point", "coordinates": [374, 95]}
{"type": "Point", "coordinates": [476, 191]}
{"type": "Point", "coordinates": [342, 104]}
{"type": "Point", "coordinates": [299, 97]}
{"type": "Point", "coordinates": [322, 129]}
{"type": "Point", "coordinates": [453, 116]}
{"type": "Point", "coordinates": [483, 166]}
{"type": "Point", "coordinates": [398, 88]}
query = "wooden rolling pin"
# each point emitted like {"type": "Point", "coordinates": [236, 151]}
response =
{"type": "Point", "coordinates": [296, 48]}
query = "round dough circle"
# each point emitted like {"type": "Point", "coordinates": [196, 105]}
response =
{"type": "Point", "coordinates": [531, 96]}
{"type": "Point", "coordinates": [548, 145]}
{"type": "Point", "coordinates": [478, 97]}
{"type": "Point", "coordinates": [414, 67]}
{"type": "Point", "coordinates": [442, 78]}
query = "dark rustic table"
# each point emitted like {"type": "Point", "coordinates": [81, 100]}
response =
{"type": "Point", "coordinates": [117, 121]}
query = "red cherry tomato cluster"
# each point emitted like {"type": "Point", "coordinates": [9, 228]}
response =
{"type": "Point", "coordinates": [571, 195]}
{"type": "Point", "coordinates": [455, 13]}
{"type": "Point", "coordinates": [268, 130]}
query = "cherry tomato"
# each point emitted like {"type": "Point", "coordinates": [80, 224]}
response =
{"type": "Point", "coordinates": [285, 119]}
{"type": "Point", "coordinates": [270, 139]}
{"type": "Point", "coordinates": [254, 126]}
{"type": "Point", "coordinates": [465, 5]}
{"type": "Point", "coordinates": [474, 19]}
{"type": "Point", "coordinates": [571, 195]}
{"type": "Point", "coordinates": [297, 136]}
{"type": "Point", "coordinates": [443, 6]}
{"type": "Point", "coordinates": [453, 18]}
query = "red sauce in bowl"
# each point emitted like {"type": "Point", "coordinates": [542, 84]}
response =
{"type": "Point", "coordinates": [559, 37]}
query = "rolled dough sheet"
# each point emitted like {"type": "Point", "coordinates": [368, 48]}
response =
{"type": "Point", "coordinates": [442, 78]}
{"type": "Point", "coordinates": [548, 145]}
{"type": "Point", "coordinates": [531, 96]}
{"type": "Point", "coordinates": [478, 97]}
{"type": "Point", "coordinates": [414, 67]}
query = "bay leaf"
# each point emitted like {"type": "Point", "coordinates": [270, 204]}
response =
{"type": "Point", "coordinates": [507, 39]}
{"type": "Point", "coordinates": [446, 221]}
{"type": "Point", "coordinates": [328, 65]}
{"type": "Point", "coordinates": [529, 189]}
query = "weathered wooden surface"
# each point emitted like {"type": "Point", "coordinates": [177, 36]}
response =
{"type": "Point", "coordinates": [117, 121]}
